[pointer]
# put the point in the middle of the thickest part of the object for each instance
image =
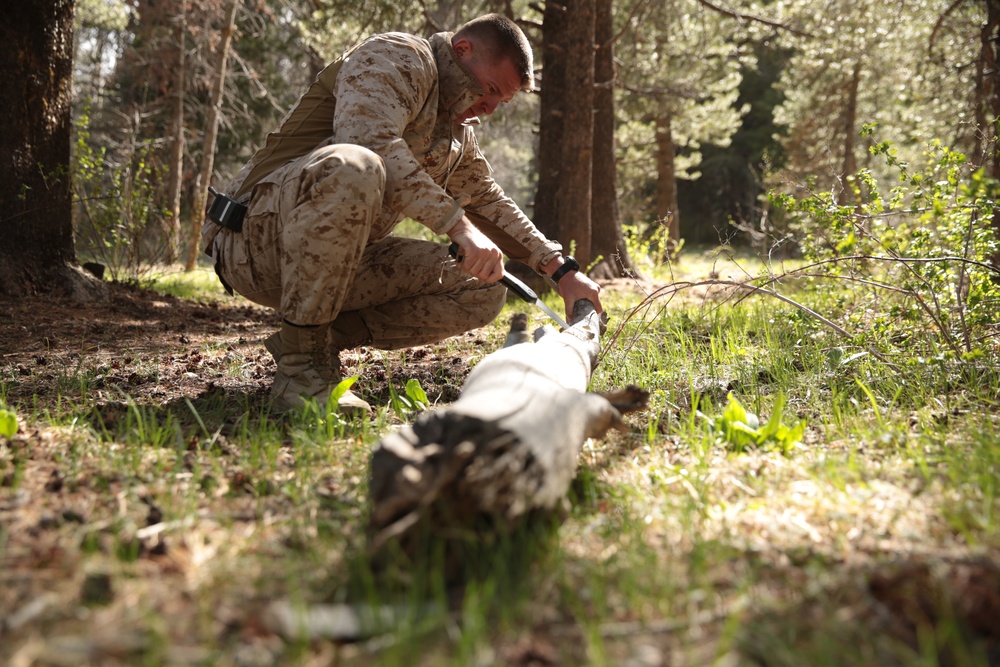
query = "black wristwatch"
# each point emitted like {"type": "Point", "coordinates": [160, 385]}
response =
{"type": "Point", "coordinates": [570, 264]}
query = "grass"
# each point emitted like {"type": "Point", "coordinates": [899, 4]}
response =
{"type": "Point", "coordinates": [201, 283]}
{"type": "Point", "coordinates": [865, 544]}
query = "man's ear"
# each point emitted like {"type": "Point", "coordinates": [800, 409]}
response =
{"type": "Point", "coordinates": [462, 46]}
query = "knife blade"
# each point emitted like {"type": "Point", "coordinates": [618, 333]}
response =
{"type": "Point", "coordinates": [519, 288]}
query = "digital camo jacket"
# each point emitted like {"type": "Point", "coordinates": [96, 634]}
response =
{"type": "Point", "coordinates": [396, 94]}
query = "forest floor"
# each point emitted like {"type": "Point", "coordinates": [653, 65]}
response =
{"type": "Point", "coordinates": [139, 524]}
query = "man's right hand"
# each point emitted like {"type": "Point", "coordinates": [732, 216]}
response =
{"type": "Point", "coordinates": [477, 254]}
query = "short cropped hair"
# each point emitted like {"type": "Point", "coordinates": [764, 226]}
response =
{"type": "Point", "coordinates": [503, 39]}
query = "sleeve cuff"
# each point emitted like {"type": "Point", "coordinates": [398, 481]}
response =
{"type": "Point", "coordinates": [449, 220]}
{"type": "Point", "coordinates": [543, 254]}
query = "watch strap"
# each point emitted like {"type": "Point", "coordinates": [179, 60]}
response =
{"type": "Point", "coordinates": [569, 264]}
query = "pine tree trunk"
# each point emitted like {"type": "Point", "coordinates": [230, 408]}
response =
{"type": "Point", "coordinates": [578, 130]}
{"type": "Point", "coordinates": [666, 191]}
{"type": "Point", "coordinates": [36, 47]}
{"type": "Point", "coordinates": [850, 160]}
{"type": "Point", "coordinates": [608, 240]}
{"type": "Point", "coordinates": [545, 213]}
{"type": "Point", "coordinates": [989, 124]}
{"type": "Point", "coordinates": [204, 177]}
{"type": "Point", "coordinates": [173, 231]}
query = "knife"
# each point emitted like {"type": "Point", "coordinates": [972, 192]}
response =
{"type": "Point", "coordinates": [519, 288]}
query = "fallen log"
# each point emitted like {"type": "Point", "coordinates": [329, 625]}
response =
{"type": "Point", "coordinates": [506, 450]}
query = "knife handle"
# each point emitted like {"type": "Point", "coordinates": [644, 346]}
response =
{"type": "Point", "coordinates": [512, 283]}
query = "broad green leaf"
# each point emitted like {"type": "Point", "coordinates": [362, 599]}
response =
{"type": "Point", "coordinates": [8, 423]}
{"type": "Point", "coordinates": [417, 393]}
{"type": "Point", "coordinates": [342, 387]}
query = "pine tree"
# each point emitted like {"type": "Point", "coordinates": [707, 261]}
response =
{"type": "Point", "coordinates": [36, 43]}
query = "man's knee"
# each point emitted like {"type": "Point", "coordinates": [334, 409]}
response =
{"type": "Point", "coordinates": [490, 302]}
{"type": "Point", "coordinates": [348, 166]}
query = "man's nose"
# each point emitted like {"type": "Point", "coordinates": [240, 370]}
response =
{"type": "Point", "coordinates": [490, 104]}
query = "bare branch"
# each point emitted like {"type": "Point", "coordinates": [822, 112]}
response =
{"type": "Point", "coordinates": [635, 10]}
{"type": "Point", "coordinates": [675, 92]}
{"type": "Point", "coordinates": [940, 22]}
{"type": "Point", "coordinates": [751, 17]}
{"type": "Point", "coordinates": [673, 288]}
{"type": "Point", "coordinates": [429, 17]}
{"type": "Point", "coordinates": [747, 288]}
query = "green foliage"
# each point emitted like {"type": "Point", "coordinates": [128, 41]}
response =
{"type": "Point", "coordinates": [855, 59]}
{"type": "Point", "coordinates": [919, 251]}
{"type": "Point", "coordinates": [338, 392]}
{"type": "Point", "coordinates": [8, 422]}
{"type": "Point", "coordinates": [201, 285]}
{"type": "Point", "coordinates": [651, 248]}
{"type": "Point", "coordinates": [145, 427]}
{"type": "Point", "coordinates": [103, 14]}
{"type": "Point", "coordinates": [280, 505]}
{"type": "Point", "coordinates": [681, 69]}
{"type": "Point", "coordinates": [413, 400]}
{"type": "Point", "coordinates": [741, 430]}
{"type": "Point", "coordinates": [115, 204]}
{"type": "Point", "coordinates": [325, 417]}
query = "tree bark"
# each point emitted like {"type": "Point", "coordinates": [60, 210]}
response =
{"type": "Point", "coordinates": [989, 121]}
{"type": "Point", "coordinates": [174, 185]}
{"type": "Point", "coordinates": [578, 133]}
{"type": "Point", "coordinates": [204, 177]}
{"type": "Point", "coordinates": [545, 213]}
{"type": "Point", "coordinates": [36, 45]}
{"type": "Point", "coordinates": [608, 240]}
{"type": "Point", "coordinates": [850, 159]}
{"type": "Point", "coordinates": [667, 209]}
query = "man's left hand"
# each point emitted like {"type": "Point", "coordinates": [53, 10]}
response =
{"type": "Point", "coordinates": [574, 286]}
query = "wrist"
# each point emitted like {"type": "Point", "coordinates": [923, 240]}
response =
{"type": "Point", "coordinates": [460, 227]}
{"type": "Point", "coordinates": [569, 264]}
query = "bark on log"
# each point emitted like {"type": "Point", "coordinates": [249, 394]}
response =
{"type": "Point", "coordinates": [505, 450]}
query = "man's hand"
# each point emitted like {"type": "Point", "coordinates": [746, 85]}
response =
{"type": "Point", "coordinates": [477, 254]}
{"type": "Point", "coordinates": [574, 286]}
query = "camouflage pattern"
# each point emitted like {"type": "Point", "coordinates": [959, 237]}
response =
{"type": "Point", "coordinates": [372, 142]}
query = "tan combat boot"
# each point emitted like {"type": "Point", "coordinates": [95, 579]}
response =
{"type": "Point", "coordinates": [309, 367]}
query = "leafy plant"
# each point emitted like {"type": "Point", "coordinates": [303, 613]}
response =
{"type": "Point", "coordinates": [338, 392]}
{"type": "Point", "coordinates": [918, 252]}
{"type": "Point", "coordinates": [652, 245]}
{"type": "Point", "coordinates": [8, 422]}
{"type": "Point", "coordinates": [115, 203]}
{"type": "Point", "coordinates": [741, 429]}
{"type": "Point", "coordinates": [413, 400]}
{"type": "Point", "coordinates": [326, 417]}
{"type": "Point", "coordinates": [280, 506]}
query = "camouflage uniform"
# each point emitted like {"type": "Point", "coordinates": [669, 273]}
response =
{"type": "Point", "coordinates": [372, 142]}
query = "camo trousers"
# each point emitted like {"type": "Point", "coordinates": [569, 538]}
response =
{"type": "Point", "coordinates": [311, 250]}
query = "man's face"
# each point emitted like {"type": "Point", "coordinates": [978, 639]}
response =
{"type": "Point", "coordinates": [499, 79]}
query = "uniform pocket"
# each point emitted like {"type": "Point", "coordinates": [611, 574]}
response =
{"type": "Point", "coordinates": [251, 258]}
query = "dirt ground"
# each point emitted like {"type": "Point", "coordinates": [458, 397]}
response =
{"type": "Point", "coordinates": [49, 345]}
{"type": "Point", "coordinates": [153, 346]}
{"type": "Point", "coordinates": [161, 351]}
{"type": "Point", "coordinates": [59, 357]}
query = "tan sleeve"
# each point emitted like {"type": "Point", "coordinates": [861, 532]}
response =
{"type": "Point", "coordinates": [380, 90]}
{"type": "Point", "coordinates": [496, 214]}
